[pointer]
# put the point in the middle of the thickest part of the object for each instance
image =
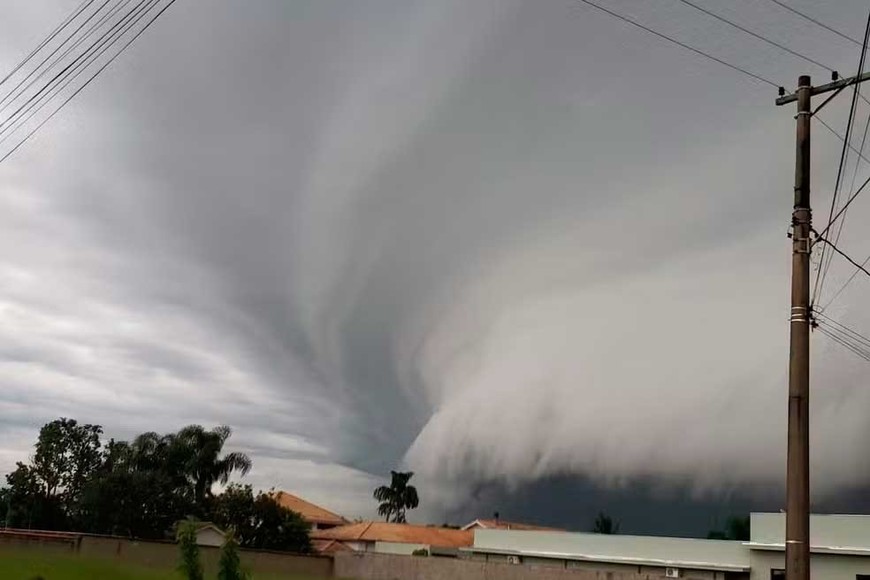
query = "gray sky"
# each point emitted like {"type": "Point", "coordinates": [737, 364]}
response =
{"type": "Point", "coordinates": [497, 240]}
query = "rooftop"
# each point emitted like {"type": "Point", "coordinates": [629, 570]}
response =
{"type": "Point", "coordinates": [310, 512]}
{"type": "Point", "coordinates": [398, 533]}
{"type": "Point", "coordinates": [834, 533]}
{"type": "Point", "coordinates": [718, 555]}
{"type": "Point", "coordinates": [503, 525]}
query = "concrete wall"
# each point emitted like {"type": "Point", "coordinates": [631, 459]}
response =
{"type": "Point", "coordinates": [164, 555]}
{"type": "Point", "coordinates": [389, 567]}
{"type": "Point", "coordinates": [824, 566]}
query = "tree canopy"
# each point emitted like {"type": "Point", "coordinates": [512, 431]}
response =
{"type": "Point", "coordinates": [143, 487]}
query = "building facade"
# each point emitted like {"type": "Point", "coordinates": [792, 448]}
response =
{"type": "Point", "coordinates": [840, 550]}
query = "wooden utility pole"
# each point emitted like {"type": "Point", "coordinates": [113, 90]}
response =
{"type": "Point", "coordinates": [797, 517]}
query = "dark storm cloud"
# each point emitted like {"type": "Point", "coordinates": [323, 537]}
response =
{"type": "Point", "coordinates": [496, 241]}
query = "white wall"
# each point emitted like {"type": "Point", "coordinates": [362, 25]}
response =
{"type": "Point", "coordinates": [822, 566]}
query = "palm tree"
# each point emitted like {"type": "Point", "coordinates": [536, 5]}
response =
{"type": "Point", "coordinates": [397, 498]}
{"type": "Point", "coordinates": [200, 452]}
{"type": "Point", "coordinates": [604, 524]}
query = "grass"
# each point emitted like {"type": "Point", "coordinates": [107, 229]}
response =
{"type": "Point", "coordinates": [27, 565]}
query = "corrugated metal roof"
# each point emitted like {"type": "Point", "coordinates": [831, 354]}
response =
{"type": "Point", "coordinates": [674, 552]}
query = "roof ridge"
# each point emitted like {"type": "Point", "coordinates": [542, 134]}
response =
{"type": "Point", "coordinates": [365, 530]}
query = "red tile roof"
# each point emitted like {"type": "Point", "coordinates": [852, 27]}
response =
{"type": "Point", "coordinates": [311, 513]}
{"type": "Point", "coordinates": [400, 533]}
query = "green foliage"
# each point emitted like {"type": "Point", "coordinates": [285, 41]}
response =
{"type": "Point", "coordinates": [259, 522]}
{"type": "Point", "coordinates": [135, 489]}
{"type": "Point", "coordinates": [736, 528]}
{"type": "Point", "coordinates": [190, 565]}
{"type": "Point", "coordinates": [396, 498]}
{"type": "Point", "coordinates": [604, 524]}
{"type": "Point", "coordinates": [230, 565]}
{"type": "Point", "coordinates": [420, 552]}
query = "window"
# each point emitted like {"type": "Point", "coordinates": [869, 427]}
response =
{"type": "Point", "coordinates": [777, 574]}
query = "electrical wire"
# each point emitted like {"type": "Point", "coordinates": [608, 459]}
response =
{"type": "Point", "coordinates": [87, 34]}
{"type": "Point", "coordinates": [842, 334]}
{"type": "Point", "coordinates": [681, 44]}
{"type": "Point", "coordinates": [75, 14]}
{"type": "Point", "coordinates": [93, 52]}
{"type": "Point", "coordinates": [819, 238]}
{"type": "Point", "coordinates": [847, 282]}
{"type": "Point", "coordinates": [756, 35]}
{"type": "Point", "coordinates": [815, 21]}
{"type": "Point", "coordinates": [821, 317]}
{"type": "Point", "coordinates": [822, 270]}
{"type": "Point", "coordinates": [89, 81]}
{"type": "Point", "coordinates": [46, 59]}
{"type": "Point", "coordinates": [839, 339]}
{"type": "Point", "coordinates": [836, 134]}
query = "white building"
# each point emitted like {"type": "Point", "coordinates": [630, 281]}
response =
{"type": "Point", "coordinates": [840, 547]}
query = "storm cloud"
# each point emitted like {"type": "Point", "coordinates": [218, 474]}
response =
{"type": "Point", "coordinates": [498, 241]}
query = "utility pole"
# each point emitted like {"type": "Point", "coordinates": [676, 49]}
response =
{"type": "Point", "coordinates": [797, 517]}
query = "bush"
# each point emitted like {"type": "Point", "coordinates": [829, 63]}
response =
{"type": "Point", "coordinates": [230, 566]}
{"type": "Point", "coordinates": [190, 565]}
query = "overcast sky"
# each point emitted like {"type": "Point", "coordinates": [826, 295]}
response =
{"type": "Point", "coordinates": [497, 240]}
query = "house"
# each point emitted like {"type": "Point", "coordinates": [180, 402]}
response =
{"type": "Point", "coordinates": [319, 518]}
{"type": "Point", "coordinates": [390, 538]}
{"type": "Point", "coordinates": [499, 524]}
{"type": "Point", "coordinates": [208, 534]}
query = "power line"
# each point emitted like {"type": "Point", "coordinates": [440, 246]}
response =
{"type": "Point", "coordinates": [87, 34]}
{"type": "Point", "coordinates": [756, 35]}
{"type": "Point", "coordinates": [839, 339]}
{"type": "Point", "coordinates": [46, 59]}
{"type": "Point", "coordinates": [822, 271]}
{"type": "Point", "coordinates": [857, 336]}
{"type": "Point", "coordinates": [838, 136]}
{"type": "Point", "coordinates": [681, 44]}
{"type": "Point", "coordinates": [847, 282]}
{"type": "Point", "coordinates": [819, 238]}
{"type": "Point", "coordinates": [815, 21]}
{"type": "Point", "coordinates": [90, 79]}
{"type": "Point", "coordinates": [94, 51]}
{"type": "Point", "coordinates": [83, 6]}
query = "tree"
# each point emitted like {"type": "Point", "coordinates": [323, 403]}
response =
{"type": "Point", "coordinates": [200, 452]}
{"type": "Point", "coordinates": [66, 455]}
{"type": "Point", "coordinates": [27, 505]}
{"type": "Point", "coordinates": [190, 565]}
{"type": "Point", "coordinates": [260, 522]}
{"type": "Point", "coordinates": [604, 524]}
{"type": "Point", "coordinates": [736, 528]}
{"type": "Point", "coordinates": [230, 565]}
{"type": "Point", "coordinates": [397, 497]}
